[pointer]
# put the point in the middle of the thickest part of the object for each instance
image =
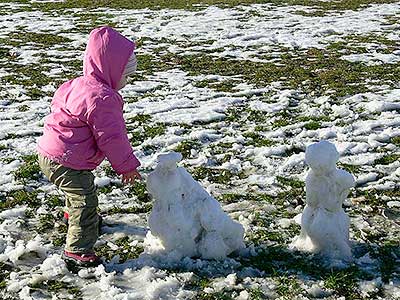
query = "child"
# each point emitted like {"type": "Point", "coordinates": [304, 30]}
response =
{"type": "Point", "coordinates": [86, 125]}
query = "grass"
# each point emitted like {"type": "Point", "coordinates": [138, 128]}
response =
{"type": "Point", "coordinates": [219, 86]}
{"type": "Point", "coordinates": [256, 140]}
{"type": "Point", "coordinates": [139, 190]}
{"type": "Point", "coordinates": [194, 4]}
{"type": "Point", "coordinates": [353, 169]}
{"type": "Point", "coordinates": [54, 201]}
{"type": "Point", "coordinates": [20, 197]}
{"type": "Point", "coordinates": [386, 254]}
{"type": "Point", "coordinates": [139, 135]}
{"type": "Point", "coordinates": [395, 140]}
{"type": "Point", "coordinates": [283, 265]}
{"type": "Point", "coordinates": [37, 38]}
{"type": "Point", "coordinates": [56, 286]}
{"type": "Point", "coordinates": [288, 287]}
{"type": "Point", "coordinates": [214, 175]}
{"type": "Point", "coordinates": [185, 147]}
{"type": "Point", "coordinates": [373, 197]}
{"type": "Point", "coordinates": [293, 183]}
{"type": "Point", "coordinates": [139, 209]}
{"type": "Point", "coordinates": [46, 222]}
{"type": "Point", "coordinates": [387, 159]}
{"type": "Point", "coordinates": [29, 170]}
{"type": "Point", "coordinates": [125, 250]}
{"type": "Point", "coordinates": [315, 72]}
{"type": "Point", "coordinates": [5, 270]}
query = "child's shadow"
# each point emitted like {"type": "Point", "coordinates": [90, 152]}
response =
{"type": "Point", "coordinates": [122, 227]}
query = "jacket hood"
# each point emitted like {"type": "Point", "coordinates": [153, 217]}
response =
{"type": "Point", "coordinates": [106, 55]}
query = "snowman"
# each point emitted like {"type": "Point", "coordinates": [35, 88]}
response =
{"type": "Point", "coordinates": [187, 220]}
{"type": "Point", "coordinates": [324, 224]}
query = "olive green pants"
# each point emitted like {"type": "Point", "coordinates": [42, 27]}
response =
{"type": "Point", "coordinates": [81, 204]}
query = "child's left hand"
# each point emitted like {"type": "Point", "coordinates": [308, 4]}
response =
{"type": "Point", "coordinates": [131, 177]}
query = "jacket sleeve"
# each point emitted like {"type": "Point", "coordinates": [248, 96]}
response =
{"type": "Point", "coordinates": [107, 123]}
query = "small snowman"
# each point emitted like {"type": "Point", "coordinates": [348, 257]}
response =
{"type": "Point", "coordinates": [187, 220]}
{"type": "Point", "coordinates": [324, 224]}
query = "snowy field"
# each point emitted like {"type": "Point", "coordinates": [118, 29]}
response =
{"type": "Point", "coordinates": [240, 91]}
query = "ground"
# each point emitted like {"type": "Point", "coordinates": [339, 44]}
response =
{"type": "Point", "coordinates": [240, 88]}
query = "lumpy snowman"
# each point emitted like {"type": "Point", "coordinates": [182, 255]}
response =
{"type": "Point", "coordinates": [324, 224]}
{"type": "Point", "coordinates": [185, 218]}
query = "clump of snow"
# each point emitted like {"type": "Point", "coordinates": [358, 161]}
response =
{"type": "Point", "coordinates": [185, 218]}
{"type": "Point", "coordinates": [14, 252]}
{"type": "Point", "coordinates": [53, 266]}
{"type": "Point", "coordinates": [324, 224]}
{"type": "Point", "coordinates": [369, 287]}
{"type": "Point", "coordinates": [13, 212]}
{"type": "Point", "coordinates": [316, 291]}
{"type": "Point", "coordinates": [102, 181]}
{"type": "Point", "coordinates": [393, 204]}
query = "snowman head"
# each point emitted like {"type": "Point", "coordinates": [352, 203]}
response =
{"type": "Point", "coordinates": [165, 179]}
{"type": "Point", "coordinates": [168, 162]}
{"type": "Point", "coordinates": [322, 157]}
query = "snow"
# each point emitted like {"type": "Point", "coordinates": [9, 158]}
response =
{"type": "Point", "coordinates": [363, 128]}
{"type": "Point", "coordinates": [187, 220]}
{"type": "Point", "coordinates": [324, 224]}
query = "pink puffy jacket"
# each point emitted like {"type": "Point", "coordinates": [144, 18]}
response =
{"type": "Point", "coordinates": [86, 122]}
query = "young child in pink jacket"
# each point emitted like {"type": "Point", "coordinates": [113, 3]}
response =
{"type": "Point", "coordinates": [85, 126]}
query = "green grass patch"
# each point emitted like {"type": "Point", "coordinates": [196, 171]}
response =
{"type": "Point", "coordinates": [29, 170]}
{"type": "Point", "coordinates": [23, 108]}
{"type": "Point", "coordinates": [139, 190]}
{"type": "Point", "coordinates": [145, 132]}
{"type": "Point", "coordinates": [395, 140]}
{"type": "Point", "coordinates": [37, 38]}
{"type": "Point", "coordinates": [314, 71]}
{"type": "Point", "coordinates": [105, 189]}
{"type": "Point", "coordinates": [257, 140]}
{"type": "Point", "coordinates": [58, 287]}
{"type": "Point", "coordinates": [312, 125]}
{"type": "Point", "coordinates": [386, 254]}
{"type": "Point", "coordinates": [185, 147]}
{"type": "Point", "coordinates": [31, 76]}
{"type": "Point", "coordinates": [278, 260]}
{"type": "Point", "coordinates": [218, 86]}
{"type": "Point", "coordinates": [234, 198]}
{"type": "Point", "coordinates": [220, 176]}
{"type": "Point", "coordinates": [200, 4]}
{"type": "Point", "coordinates": [109, 171]}
{"type": "Point", "coordinates": [344, 282]}
{"type": "Point", "coordinates": [387, 159]}
{"type": "Point", "coordinates": [46, 222]}
{"type": "Point", "coordinates": [54, 201]}
{"type": "Point", "coordinates": [125, 250]}
{"type": "Point", "coordinates": [5, 270]}
{"type": "Point", "coordinates": [288, 287]}
{"type": "Point", "coordinates": [20, 197]}
{"type": "Point", "coordinates": [138, 209]}
{"type": "Point", "coordinates": [349, 168]}
{"type": "Point", "coordinates": [140, 119]}
{"type": "Point", "coordinates": [291, 182]}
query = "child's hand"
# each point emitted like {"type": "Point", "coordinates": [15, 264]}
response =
{"type": "Point", "coordinates": [131, 177]}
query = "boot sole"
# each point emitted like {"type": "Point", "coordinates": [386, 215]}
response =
{"type": "Point", "coordinates": [75, 266]}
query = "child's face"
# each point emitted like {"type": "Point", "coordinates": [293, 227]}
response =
{"type": "Point", "coordinates": [122, 83]}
